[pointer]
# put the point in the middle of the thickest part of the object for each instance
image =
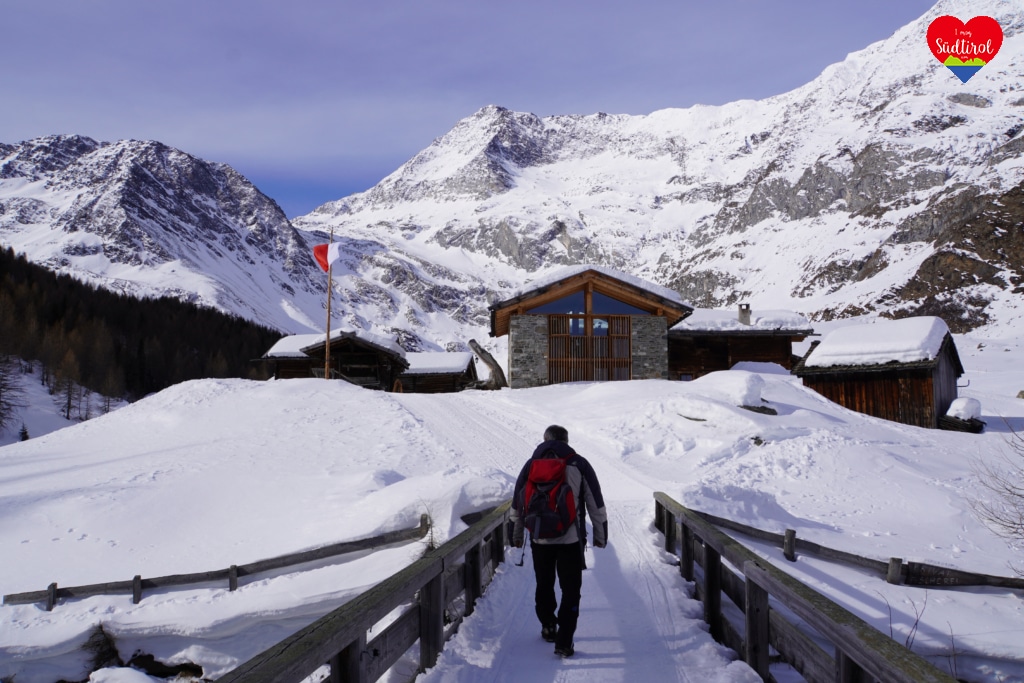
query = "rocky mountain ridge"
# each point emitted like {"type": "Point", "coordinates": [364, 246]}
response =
{"type": "Point", "coordinates": [149, 220]}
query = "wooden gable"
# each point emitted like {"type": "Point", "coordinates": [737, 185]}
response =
{"type": "Point", "coordinates": [588, 282]}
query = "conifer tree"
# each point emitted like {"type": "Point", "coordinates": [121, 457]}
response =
{"type": "Point", "coordinates": [12, 393]}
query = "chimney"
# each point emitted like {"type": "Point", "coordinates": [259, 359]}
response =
{"type": "Point", "coordinates": [745, 314]}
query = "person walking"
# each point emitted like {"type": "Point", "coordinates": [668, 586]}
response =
{"type": "Point", "coordinates": [558, 548]}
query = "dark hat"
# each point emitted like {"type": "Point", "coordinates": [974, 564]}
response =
{"type": "Point", "coordinates": [556, 433]}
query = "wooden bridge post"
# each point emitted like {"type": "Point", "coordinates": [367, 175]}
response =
{"type": "Point", "coordinates": [51, 596]}
{"type": "Point", "coordinates": [136, 589]}
{"type": "Point", "coordinates": [789, 545]}
{"type": "Point", "coordinates": [347, 665]}
{"type": "Point", "coordinates": [474, 582]}
{"type": "Point", "coordinates": [686, 553]}
{"type": "Point", "coordinates": [757, 625]}
{"type": "Point", "coordinates": [713, 591]}
{"type": "Point", "coordinates": [670, 525]}
{"type": "Point", "coordinates": [498, 542]}
{"type": "Point", "coordinates": [847, 670]}
{"type": "Point", "coordinates": [894, 573]}
{"type": "Point", "coordinates": [431, 621]}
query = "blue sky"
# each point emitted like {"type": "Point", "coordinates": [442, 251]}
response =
{"type": "Point", "coordinates": [315, 100]}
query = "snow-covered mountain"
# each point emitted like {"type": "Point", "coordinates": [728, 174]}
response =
{"type": "Point", "coordinates": [885, 185]}
{"type": "Point", "coordinates": [148, 220]}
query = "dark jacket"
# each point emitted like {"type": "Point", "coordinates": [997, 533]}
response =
{"type": "Point", "coordinates": [580, 476]}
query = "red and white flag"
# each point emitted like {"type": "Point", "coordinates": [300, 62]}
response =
{"type": "Point", "coordinates": [326, 254]}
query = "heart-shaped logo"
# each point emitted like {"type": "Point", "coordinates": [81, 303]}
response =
{"type": "Point", "coordinates": [964, 48]}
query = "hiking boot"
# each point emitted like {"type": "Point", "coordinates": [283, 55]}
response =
{"type": "Point", "coordinates": [564, 651]}
{"type": "Point", "coordinates": [548, 633]}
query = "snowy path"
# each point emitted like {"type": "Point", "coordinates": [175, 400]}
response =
{"type": "Point", "coordinates": [637, 621]}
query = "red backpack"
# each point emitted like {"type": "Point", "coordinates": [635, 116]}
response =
{"type": "Point", "coordinates": [548, 507]}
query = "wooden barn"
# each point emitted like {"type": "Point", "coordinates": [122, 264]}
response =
{"type": "Point", "coordinates": [435, 373]}
{"type": "Point", "coordinates": [901, 370]}
{"type": "Point", "coordinates": [587, 323]}
{"type": "Point", "coordinates": [358, 357]}
{"type": "Point", "coordinates": [712, 340]}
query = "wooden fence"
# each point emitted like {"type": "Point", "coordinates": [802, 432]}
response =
{"type": "Point", "coordinates": [895, 570]}
{"type": "Point", "coordinates": [861, 653]}
{"type": "Point", "coordinates": [434, 594]}
{"type": "Point", "coordinates": [135, 587]}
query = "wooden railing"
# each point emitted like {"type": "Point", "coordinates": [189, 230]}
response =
{"type": "Point", "coordinates": [861, 652]}
{"type": "Point", "coordinates": [434, 594]}
{"type": "Point", "coordinates": [134, 587]}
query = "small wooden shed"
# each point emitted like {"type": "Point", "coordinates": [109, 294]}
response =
{"type": "Point", "coordinates": [713, 340]}
{"type": "Point", "coordinates": [587, 323]}
{"type": "Point", "coordinates": [435, 373]}
{"type": "Point", "coordinates": [356, 356]}
{"type": "Point", "coordinates": [901, 370]}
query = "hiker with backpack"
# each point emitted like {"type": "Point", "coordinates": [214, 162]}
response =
{"type": "Point", "coordinates": [554, 492]}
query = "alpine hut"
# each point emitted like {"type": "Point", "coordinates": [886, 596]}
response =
{"type": "Point", "coordinates": [587, 323]}
{"type": "Point", "coordinates": [435, 373]}
{"type": "Point", "coordinates": [901, 370]}
{"type": "Point", "coordinates": [712, 340]}
{"type": "Point", "coordinates": [356, 356]}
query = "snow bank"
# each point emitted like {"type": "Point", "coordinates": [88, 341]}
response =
{"type": "Point", "coordinates": [965, 409]}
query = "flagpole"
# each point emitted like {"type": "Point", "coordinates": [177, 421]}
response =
{"type": "Point", "coordinates": [327, 339]}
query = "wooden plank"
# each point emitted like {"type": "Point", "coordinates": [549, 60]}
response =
{"type": "Point", "coordinates": [473, 583]}
{"type": "Point", "coordinates": [388, 647]}
{"type": "Point", "coordinates": [432, 604]}
{"type": "Point", "coordinates": [847, 670]}
{"type": "Point", "coordinates": [757, 639]}
{"type": "Point", "coordinates": [921, 574]}
{"type": "Point", "coordinates": [454, 583]}
{"type": "Point", "coordinates": [876, 653]}
{"type": "Point", "coordinates": [735, 587]}
{"type": "Point", "coordinates": [800, 651]}
{"type": "Point", "coordinates": [230, 575]}
{"type": "Point", "coordinates": [713, 591]}
{"type": "Point", "coordinates": [348, 666]}
{"type": "Point", "coordinates": [300, 654]}
{"type": "Point", "coordinates": [283, 561]}
{"type": "Point", "coordinates": [686, 553]}
{"type": "Point", "coordinates": [669, 529]}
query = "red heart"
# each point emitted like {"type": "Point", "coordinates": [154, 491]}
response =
{"type": "Point", "coordinates": [978, 39]}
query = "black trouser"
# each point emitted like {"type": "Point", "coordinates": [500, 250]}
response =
{"type": "Point", "coordinates": [566, 561]}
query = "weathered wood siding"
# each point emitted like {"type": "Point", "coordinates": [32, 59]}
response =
{"type": "Point", "coordinates": [944, 382]}
{"type": "Point", "coordinates": [701, 354]}
{"type": "Point", "coordinates": [905, 396]}
{"type": "Point", "coordinates": [436, 383]}
{"type": "Point", "coordinates": [293, 368]}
